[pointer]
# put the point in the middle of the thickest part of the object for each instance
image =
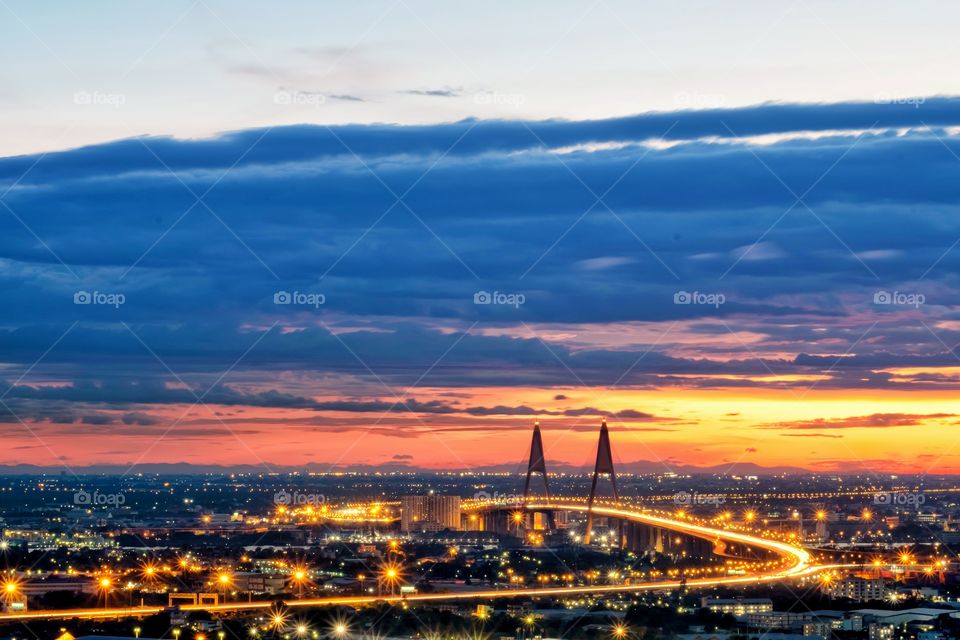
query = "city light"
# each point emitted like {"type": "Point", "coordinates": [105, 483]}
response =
{"type": "Point", "coordinates": [299, 576]}
{"type": "Point", "coordinates": [278, 621]}
{"type": "Point", "coordinates": [792, 561]}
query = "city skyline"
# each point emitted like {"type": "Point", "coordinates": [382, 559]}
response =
{"type": "Point", "coordinates": [402, 319]}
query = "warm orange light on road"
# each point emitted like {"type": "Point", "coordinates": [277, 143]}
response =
{"type": "Point", "coordinates": [797, 563]}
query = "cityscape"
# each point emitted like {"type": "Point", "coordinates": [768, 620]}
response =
{"type": "Point", "coordinates": [407, 553]}
{"type": "Point", "coordinates": [422, 320]}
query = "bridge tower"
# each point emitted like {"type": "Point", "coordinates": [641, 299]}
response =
{"type": "Point", "coordinates": [604, 465]}
{"type": "Point", "coordinates": [537, 463]}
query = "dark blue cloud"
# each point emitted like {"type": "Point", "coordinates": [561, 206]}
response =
{"type": "Point", "coordinates": [497, 206]}
{"type": "Point", "coordinates": [306, 142]}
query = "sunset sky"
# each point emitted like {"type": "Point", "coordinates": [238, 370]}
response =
{"type": "Point", "coordinates": [395, 235]}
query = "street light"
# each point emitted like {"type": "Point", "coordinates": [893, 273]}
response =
{"type": "Point", "coordinates": [299, 576]}
{"type": "Point", "coordinates": [223, 579]}
{"type": "Point", "coordinates": [149, 572]}
{"type": "Point", "coordinates": [136, 632]}
{"type": "Point", "coordinates": [391, 576]}
{"type": "Point", "coordinates": [278, 620]}
{"type": "Point", "coordinates": [529, 621]}
{"type": "Point", "coordinates": [105, 588]}
{"type": "Point", "coordinates": [10, 589]}
{"type": "Point", "coordinates": [620, 630]}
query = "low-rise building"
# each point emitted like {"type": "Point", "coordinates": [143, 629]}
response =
{"type": "Point", "coordinates": [857, 588]}
{"type": "Point", "coordinates": [737, 607]}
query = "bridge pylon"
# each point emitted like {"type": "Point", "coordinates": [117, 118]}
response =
{"type": "Point", "coordinates": [537, 463]}
{"type": "Point", "coordinates": [603, 465]}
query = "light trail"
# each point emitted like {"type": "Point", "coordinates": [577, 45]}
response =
{"type": "Point", "coordinates": [799, 559]}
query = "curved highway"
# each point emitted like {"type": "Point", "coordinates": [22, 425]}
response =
{"type": "Point", "coordinates": [797, 564]}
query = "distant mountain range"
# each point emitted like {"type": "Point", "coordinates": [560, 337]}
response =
{"type": "Point", "coordinates": [640, 467]}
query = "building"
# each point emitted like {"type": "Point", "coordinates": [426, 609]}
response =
{"type": "Point", "coordinates": [16, 603]}
{"type": "Point", "coordinates": [778, 620]}
{"type": "Point", "coordinates": [259, 582]}
{"type": "Point", "coordinates": [429, 513]}
{"type": "Point", "coordinates": [738, 607]}
{"type": "Point", "coordinates": [857, 589]}
{"type": "Point", "coordinates": [895, 617]}
{"type": "Point", "coordinates": [880, 631]}
{"type": "Point", "coordinates": [49, 584]}
{"type": "Point", "coordinates": [817, 630]}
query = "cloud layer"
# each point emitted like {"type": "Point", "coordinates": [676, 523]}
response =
{"type": "Point", "coordinates": [329, 269]}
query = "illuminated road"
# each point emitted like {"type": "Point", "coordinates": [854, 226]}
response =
{"type": "Point", "coordinates": [798, 564]}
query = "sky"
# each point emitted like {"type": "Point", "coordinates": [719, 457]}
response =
{"type": "Point", "coordinates": [393, 235]}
